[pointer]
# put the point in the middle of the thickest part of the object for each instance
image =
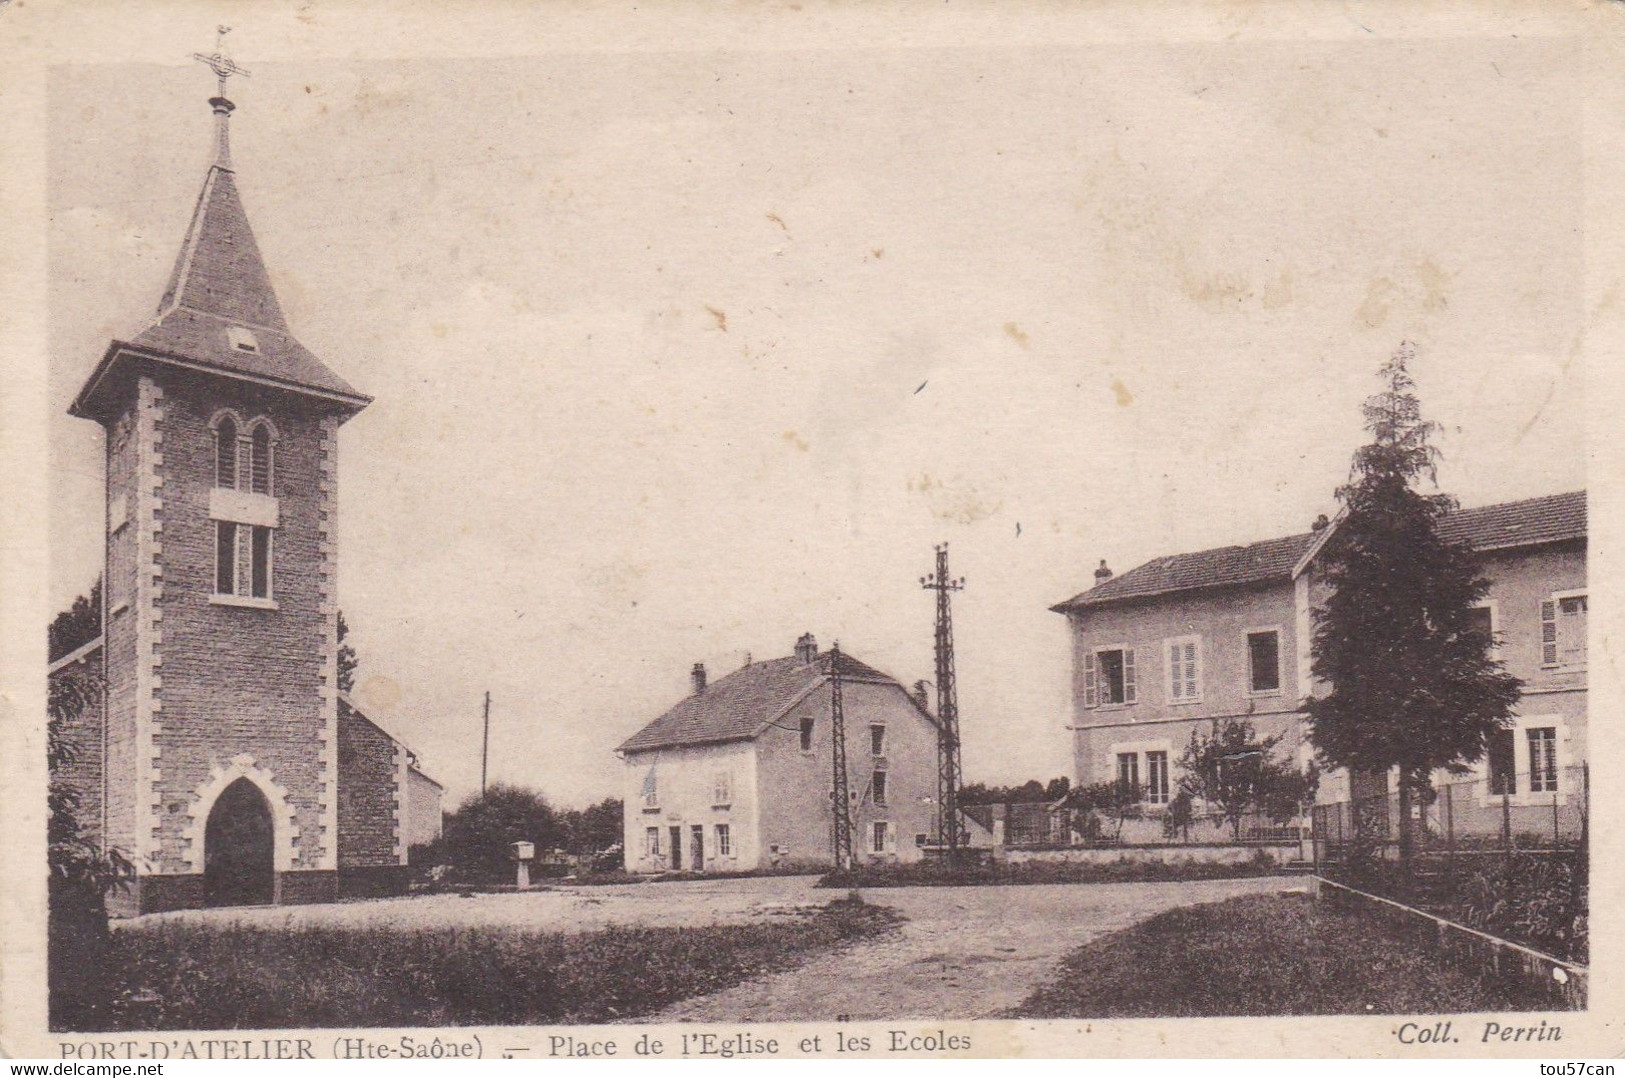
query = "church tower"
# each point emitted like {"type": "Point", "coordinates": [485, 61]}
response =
{"type": "Point", "coordinates": [220, 756]}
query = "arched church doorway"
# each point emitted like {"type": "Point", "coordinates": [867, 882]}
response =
{"type": "Point", "coordinates": [238, 848]}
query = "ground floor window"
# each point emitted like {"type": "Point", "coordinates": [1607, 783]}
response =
{"type": "Point", "coordinates": [1542, 759]}
{"type": "Point", "coordinates": [724, 841]}
{"type": "Point", "coordinates": [880, 839]}
{"type": "Point", "coordinates": [921, 838]}
{"type": "Point", "coordinates": [1128, 770]}
{"type": "Point", "coordinates": [651, 841]}
{"type": "Point", "coordinates": [1156, 778]}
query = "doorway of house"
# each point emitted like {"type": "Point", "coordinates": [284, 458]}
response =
{"type": "Point", "coordinates": [696, 851]}
{"type": "Point", "coordinates": [676, 849]}
{"type": "Point", "coordinates": [239, 867]}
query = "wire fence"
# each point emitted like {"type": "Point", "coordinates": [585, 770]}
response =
{"type": "Point", "coordinates": [1527, 812]}
{"type": "Point", "coordinates": [1040, 825]}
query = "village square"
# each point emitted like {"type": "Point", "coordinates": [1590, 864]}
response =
{"type": "Point", "coordinates": [1232, 755]}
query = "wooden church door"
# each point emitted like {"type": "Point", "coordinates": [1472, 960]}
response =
{"type": "Point", "coordinates": [238, 849]}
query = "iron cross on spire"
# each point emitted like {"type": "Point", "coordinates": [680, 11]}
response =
{"type": "Point", "coordinates": [223, 69]}
{"type": "Point", "coordinates": [221, 64]}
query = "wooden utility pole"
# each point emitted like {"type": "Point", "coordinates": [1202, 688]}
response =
{"type": "Point", "coordinates": [839, 797]}
{"type": "Point", "coordinates": [485, 742]}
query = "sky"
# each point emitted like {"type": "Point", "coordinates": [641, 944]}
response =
{"type": "Point", "coordinates": [678, 355]}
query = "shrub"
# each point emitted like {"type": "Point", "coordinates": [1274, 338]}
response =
{"type": "Point", "coordinates": [1005, 873]}
{"type": "Point", "coordinates": [174, 975]}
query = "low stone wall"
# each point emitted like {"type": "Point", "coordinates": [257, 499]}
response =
{"type": "Point", "coordinates": [1169, 854]}
{"type": "Point", "coordinates": [1566, 984]}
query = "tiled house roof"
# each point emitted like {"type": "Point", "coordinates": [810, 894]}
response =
{"type": "Point", "coordinates": [1550, 519]}
{"type": "Point", "coordinates": [739, 706]}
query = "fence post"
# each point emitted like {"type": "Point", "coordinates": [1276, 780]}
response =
{"type": "Point", "coordinates": [1506, 821]}
{"type": "Point", "coordinates": [1554, 821]}
{"type": "Point", "coordinates": [1450, 832]}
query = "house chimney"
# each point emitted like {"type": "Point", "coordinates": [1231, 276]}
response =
{"type": "Point", "coordinates": [921, 697]}
{"type": "Point", "coordinates": [1102, 574]}
{"type": "Point", "coordinates": [698, 674]}
{"type": "Point", "coordinates": [807, 648]}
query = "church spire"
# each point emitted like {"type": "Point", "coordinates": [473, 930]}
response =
{"type": "Point", "coordinates": [219, 311]}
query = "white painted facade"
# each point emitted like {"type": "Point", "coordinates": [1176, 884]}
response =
{"type": "Point", "coordinates": [670, 792]}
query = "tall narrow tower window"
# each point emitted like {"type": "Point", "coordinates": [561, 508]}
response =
{"type": "Point", "coordinates": [260, 461]}
{"type": "Point", "coordinates": [260, 564]}
{"type": "Point", "coordinates": [225, 558]}
{"type": "Point", "coordinates": [225, 453]}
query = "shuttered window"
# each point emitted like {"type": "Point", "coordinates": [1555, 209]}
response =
{"type": "Point", "coordinates": [1563, 630]}
{"type": "Point", "coordinates": [1502, 763]}
{"type": "Point", "coordinates": [1548, 633]}
{"type": "Point", "coordinates": [1571, 629]}
{"type": "Point", "coordinates": [1109, 678]}
{"type": "Point", "coordinates": [1184, 669]}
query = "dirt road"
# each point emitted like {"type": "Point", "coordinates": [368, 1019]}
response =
{"type": "Point", "coordinates": [965, 952]}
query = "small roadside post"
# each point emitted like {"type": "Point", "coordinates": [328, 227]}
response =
{"type": "Point", "coordinates": [523, 852]}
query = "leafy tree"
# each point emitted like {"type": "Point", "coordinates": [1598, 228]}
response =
{"type": "Point", "coordinates": [478, 834]}
{"type": "Point", "coordinates": [78, 625]}
{"type": "Point", "coordinates": [81, 873]}
{"type": "Point", "coordinates": [1030, 792]}
{"type": "Point", "coordinates": [595, 828]}
{"type": "Point", "coordinates": [1176, 822]}
{"type": "Point", "coordinates": [347, 659]}
{"type": "Point", "coordinates": [1413, 682]}
{"type": "Point", "coordinates": [1235, 771]}
{"type": "Point", "coordinates": [1115, 800]}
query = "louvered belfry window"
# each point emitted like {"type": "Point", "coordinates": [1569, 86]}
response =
{"type": "Point", "coordinates": [225, 453]}
{"type": "Point", "coordinates": [260, 460]}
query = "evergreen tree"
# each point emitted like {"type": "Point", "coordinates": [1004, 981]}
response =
{"type": "Point", "coordinates": [347, 659]}
{"type": "Point", "coordinates": [1414, 684]}
{"type": "Point", "coordinates": [78, 625]}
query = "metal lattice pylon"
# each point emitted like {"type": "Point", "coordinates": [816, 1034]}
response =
{"type": "Point", "coordinates": [839, 798]}
{"type": "Point", "coordinates": [950, 829]}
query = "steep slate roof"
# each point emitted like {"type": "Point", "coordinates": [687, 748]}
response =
{"type": "Point", "coordinates": [1549, 519]}
{"type": "Point", "coordinates": [220, 281]}
{"type": "Point", "coordinates": [738, 706]}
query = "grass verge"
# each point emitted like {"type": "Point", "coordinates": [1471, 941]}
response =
{"type": "Point", "coordinates": [1006, 873]}
{"type": "Point", "coordinates": [1263, 955]}
{"type": "Point", "coordinates": [187, 976]}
